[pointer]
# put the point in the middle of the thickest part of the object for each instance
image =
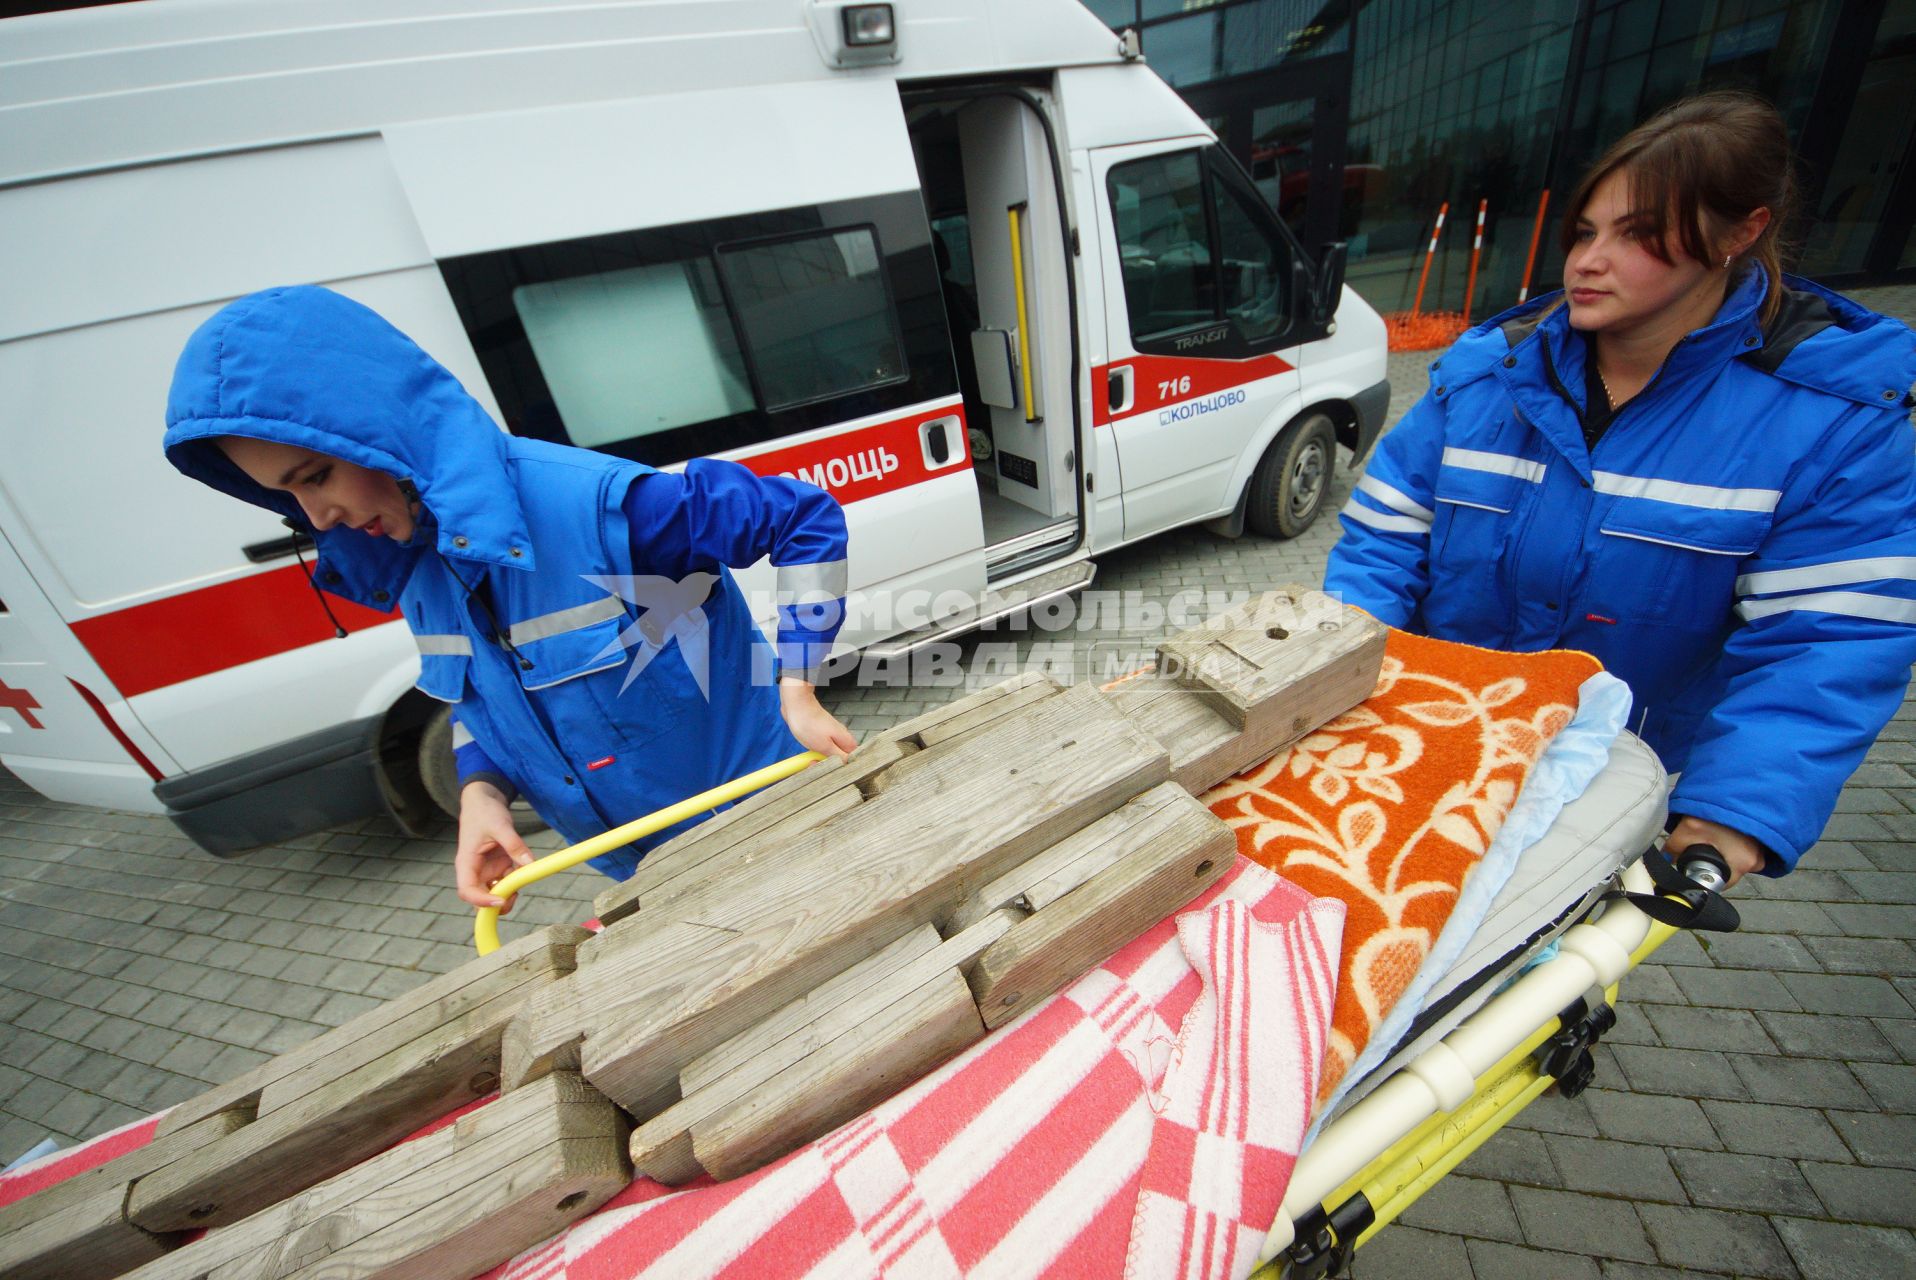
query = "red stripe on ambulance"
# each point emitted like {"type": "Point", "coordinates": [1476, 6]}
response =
{"type": "Point", "coordinates": [196, 633]}
{"type": "Point", "coordinates": [868, 461]}
{"type": "Point", "coordinates": [1157, 381]}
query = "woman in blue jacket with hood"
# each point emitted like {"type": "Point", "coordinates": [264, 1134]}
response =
{"type": "Point", "coordinates": [575, 608]}
{"type": "Point", "coordinates": [1687, 464]}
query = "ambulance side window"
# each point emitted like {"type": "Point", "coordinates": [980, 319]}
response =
{"type": "Point", "coordinates": [1199, 250]}
{"type": "Point", "coordinates": [671, 343]}
{"type": "Point", "coordinates": [815, 314]}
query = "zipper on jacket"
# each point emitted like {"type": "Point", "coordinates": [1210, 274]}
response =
{"type": "Point", "coordinates": [1583, 423]}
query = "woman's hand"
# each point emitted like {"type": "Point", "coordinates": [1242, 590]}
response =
{"type": "Point", "coordinates": [1743, 853]}
{"type": "Point", "coordinates": [815, 728]}
{"type": "Point", "coordinates": [489, 845]}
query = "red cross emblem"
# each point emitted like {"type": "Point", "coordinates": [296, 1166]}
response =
{"type": "Point", "coordinates": [22, 701]}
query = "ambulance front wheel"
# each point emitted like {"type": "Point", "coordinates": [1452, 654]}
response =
{"type": "Point", "coordinates": [1293, 479]}
{"type": "Point", "coordinates": [441, 775]}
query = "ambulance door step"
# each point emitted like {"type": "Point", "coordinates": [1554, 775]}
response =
{"type": "Point", "coordinates": [1029, 549]}
{"type": "Point", "coordinates": [995, 604]}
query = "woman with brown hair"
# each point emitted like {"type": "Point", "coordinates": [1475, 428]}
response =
{"type": "Point", "coordinates": [1689, 464]}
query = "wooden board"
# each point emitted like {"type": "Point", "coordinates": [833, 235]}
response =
{"type": "Point", "coordinates": [841, 1078]}
{"type": "Point", "coordinates": [1179, 850]}
{"type": "Point", "coordinates": [956, 815]}
{"type": "Point", "coordinates": [403, 1080]}
{"type": "Point", "coordinates": [535, 957]}
{"type": "Point", "coordinates": [762, 822]}
{"type": "Point", "coordinates": [450, 1204]}
{"type": "Point", "coordinates": [79, 1227]}
{"type": "Point", "coordinates": [1042, 880]}
{"type": "Point", "coordinates": [1257, 664]}
{"type": "Point", "coordinates": [730, 1073]}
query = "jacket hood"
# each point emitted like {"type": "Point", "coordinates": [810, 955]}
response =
{"type": "Point", "coordinates": [1823, 340]}
{"type": "Point", "coordinates": [308, 367]}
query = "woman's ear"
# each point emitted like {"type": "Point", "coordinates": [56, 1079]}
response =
{"type": "Point", "coordinates": [1747, 232]}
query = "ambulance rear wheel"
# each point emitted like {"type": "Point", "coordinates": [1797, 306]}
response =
{"type": "Point", "coordinates": [441, 775]}
{"type": "Point", "coordinates": [1293, 479]}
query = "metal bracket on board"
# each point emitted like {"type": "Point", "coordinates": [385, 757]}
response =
{"type": "Point", "coordinates": [1566, 1055]}
{"type": "Point", "coordinates": [1325, 1241]}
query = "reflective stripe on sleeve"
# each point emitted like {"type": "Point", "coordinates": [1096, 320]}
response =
{"type": "Point", "coordinates": [1853, 604]}
{"type": "Point", "coordinates": [1502, 464]}
{"type": "Point", "coordinates": [1835, 573]}
{"type": "Point", "coordinates": [810, 583]}
{"type": "Point", "coordinates": [1707, 496]}
{"type": "Point", "coordinates": [560, 621]}
{"type": "Point", "coordinates": [442, 646]}
{"type": "Point", "coordinates": [1389, 524]}
{"type": "Point", "coordinates": [1394, 498]}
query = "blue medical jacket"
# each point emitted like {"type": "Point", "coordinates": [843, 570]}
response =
{"type": "Point", "coordinates": [1739, 547]}
{"type": "Point", "coordinates": [575, 608]}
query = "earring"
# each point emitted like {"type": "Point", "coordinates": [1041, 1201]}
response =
{"type": "Point", "coordinates": [1728, 258]}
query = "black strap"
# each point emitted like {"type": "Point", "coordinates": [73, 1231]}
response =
{"type": "Point", "coordinates": [1680, 901]}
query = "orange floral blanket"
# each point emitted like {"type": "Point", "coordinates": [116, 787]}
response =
{"type": "Point", "coordinates": [1391, 805]}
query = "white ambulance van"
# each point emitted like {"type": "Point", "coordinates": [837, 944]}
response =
{"type": "Point", "coordinates": [968, 264]}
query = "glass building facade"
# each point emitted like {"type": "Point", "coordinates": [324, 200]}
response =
{"type": "Point", "coordinates": [1360, 119]}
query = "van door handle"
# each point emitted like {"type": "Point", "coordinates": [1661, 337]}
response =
{"type": "Point", "coordinates": [1119, 386]}
{"type": "Point", "coordinates": [936, 443]}
{"type": "Point", "coordinates": [277, 548]}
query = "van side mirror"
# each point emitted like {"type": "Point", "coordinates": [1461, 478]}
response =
{"type": "Point", "coordinates": [1329, 285]}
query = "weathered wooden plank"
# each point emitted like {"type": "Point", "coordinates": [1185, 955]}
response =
{"type": "Point", "coordinates": [745, 945]}
{"type": "Point", "coordinates": [1256, 664]}
{"type": "Point", "coordinates": [762, 1037]}
{"type": "Point", "coordinates": [662, 1147]}
{"type": "Point", "coordinates": [1204, 746]}
{"type": "Point", "coordinates": [841, 1078]}
{"type": "Point", "coordinates": [89, 1236]}
{"type": "Point", "coordinates": [337, 1122]}
{"type": "Point", "coordinates": [79, 1226]}
{"type": "Point", "coordinates": [1042, 880]}
{"type": "Point", "coordinates": [976, 711]}
{"type": "Point", "coordinates": [1186, 850]}
{"type": "Point", "coordinates": [452, 1203]}
{"type": "Point", "coordinates": [534, 957]}
{"type": "Point", "coordinates": [760, 823]}
{"type": "Point", "coordinates": [796, 804]}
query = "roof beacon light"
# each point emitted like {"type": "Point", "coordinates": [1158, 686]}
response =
{"type": "Point", "coordinates": [868, 24]}
{"type": "Point", "coordinates": [851, 34]}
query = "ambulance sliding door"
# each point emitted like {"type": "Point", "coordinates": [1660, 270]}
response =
{"type": "Point", "coordinates": [745, 274]}
{"type": "Point", "coordinates": [1203, 336]}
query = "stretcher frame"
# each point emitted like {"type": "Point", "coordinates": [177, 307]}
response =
{"type": "Point", "coordinates": [1375, 1160]}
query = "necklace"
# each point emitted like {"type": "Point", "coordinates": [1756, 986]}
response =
{"type": "Point", "coordinates": [1609, 397]}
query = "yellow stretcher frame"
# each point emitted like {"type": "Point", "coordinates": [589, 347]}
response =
{"type": "Point", "coordinates": [1395, 1179]}
{"type": "Point", "coordinates": [485, 926]}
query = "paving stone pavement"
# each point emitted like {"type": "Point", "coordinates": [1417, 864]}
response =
{"type": "Point", "coordinates": [1754, 1113]}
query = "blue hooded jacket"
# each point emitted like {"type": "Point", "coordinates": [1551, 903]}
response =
{"type": "Point", "coordinates": [574, 606]}
{"type": "Point", "coordinates": [1739, 547]}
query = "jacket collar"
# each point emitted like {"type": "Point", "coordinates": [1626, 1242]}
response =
{"type": "Point", "coordinates": [1540, 360]}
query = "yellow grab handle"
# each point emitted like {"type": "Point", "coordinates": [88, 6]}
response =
{"type": "Point", "coordinates": [485, 929]}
